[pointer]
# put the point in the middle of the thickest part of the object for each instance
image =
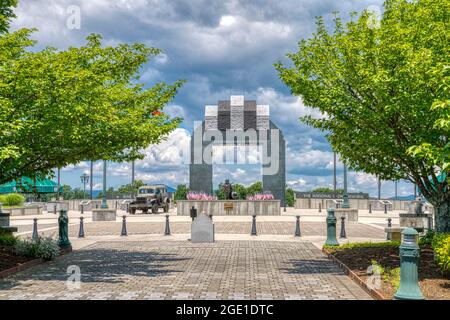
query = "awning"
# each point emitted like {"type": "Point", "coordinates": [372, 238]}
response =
{"type": "Point", "coordinates": [27, 185]}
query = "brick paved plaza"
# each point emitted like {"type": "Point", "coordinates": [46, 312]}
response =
{"type": "Point", "coordinates": [126, 269]}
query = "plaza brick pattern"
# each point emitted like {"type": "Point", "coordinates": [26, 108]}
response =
{"type": "Point", "coordinates": [263, 228]}
{"type": "Point", "coordinates": [183, 270]}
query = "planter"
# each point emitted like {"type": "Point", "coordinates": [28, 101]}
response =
{"type": "Point", "coordinates": [230, 207]}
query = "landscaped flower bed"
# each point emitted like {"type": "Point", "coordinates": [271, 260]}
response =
{"type": "Point", "coordinates": [359, 257]}
{"type": "Point", "coordinates": [16, 252]}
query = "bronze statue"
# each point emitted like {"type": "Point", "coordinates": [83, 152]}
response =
{"type": "Point", "coordinates": [227, 190]}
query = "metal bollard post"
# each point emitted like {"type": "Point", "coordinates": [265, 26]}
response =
{"type": "Point", "coordinates": [210, 216]}
{"type": "Point", "coordinates": [81, 231]}
{"type": "Point", "coordinates": [385, 208]}
{"type": "Point", "coordinates": [331, 229]}
{"type": "Point", "coordinates": [193, 213]}
{"type": "Point", "coordinates": [54, 209]}
{"type": "Point", "coordinates": [82, 209]}
{"type": "Point", "coordinates": [35, 229]}
{"type": "Point", "coordinates": [297, 227]}
{"type": "Point", "coordinates": [409, 261]}
{"type": "Point", "coordinates": [320, 207]}
{"type": "Point", "coordinates": [124, 226]}
{"type": "Point", "coordinates": [389, 234]}
{"type": "Point", "coordinates": [370, 208]}
{"type": "Point", "coordinates": [167, 231]}
{"type": "Point", "coordinates": [343, 234]}
{"type": "Point", "coordinates": [253, 232]}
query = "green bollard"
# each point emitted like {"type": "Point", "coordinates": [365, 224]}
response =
{"type": "Point", "coordinates": [409, 261]}
{"type": "Point", "coordinates": [331, 229]}
{"type": "Point", "coordinates": [63, 223]}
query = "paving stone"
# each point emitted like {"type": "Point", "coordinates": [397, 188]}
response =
{"type": "Point", "coordinates": [182, 270]}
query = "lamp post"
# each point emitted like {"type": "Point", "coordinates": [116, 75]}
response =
{"type": "Point", "coordinates": [334, 175]}
{"type": "Point", "coordinates": [59, 183]}
{"type": "Point", "coordinates": [91, 183]}
{"type": "Point", "coordinates": [104, 203]}
{"type": "Point", "coordinates": [379, 188]}
{"type": "Point", "coordinates": [396, 190]}
{"type": "Point", "coordinates": [345, 204]}
{"type": "Point", "coordinates": [84, 179]}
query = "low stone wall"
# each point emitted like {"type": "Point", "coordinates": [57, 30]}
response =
{"type": "Point", "coordinates": [24, 211]}
{"type": "Point", "coordinates": [231, 207]}
{"type": "Point", "coordinates": [360, 204]}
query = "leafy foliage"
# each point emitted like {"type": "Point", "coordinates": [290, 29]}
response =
{"type": "Point", "coordinates": [374, 86]}
{"type": "Point", "coordinates": [7, 240]}
{"type": "Point", "coordinates": [12, 199]}
{"type": "Point", "coordinates": [61, 107]}
{"type": "Point", "coordinates": [44, 248]}
{"type": "Point", "coordinates": [441, 247]}
{"type": "Point", "coordinates": [181, 192]}
{"type": "Point", "coordinates": [6, 13]}
{"type": "Point", "coordinates": [362, 245]}
{"type": "Point", "coordinates": [131, 188]}
{"type": "Point", "coordinates": [327, 190]}
{"type": "Point", "coordinates": [290, 197]}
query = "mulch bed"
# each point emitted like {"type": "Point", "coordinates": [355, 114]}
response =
{"type": "Point", "coordinates": [433, 284]}
{"type": "Point", "coordinates": [9, 260]}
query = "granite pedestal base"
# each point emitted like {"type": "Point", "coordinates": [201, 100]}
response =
{"type": "Point", "coordinates": [103, 215]}
{"type": "Point", "coordinates": [349, 214]}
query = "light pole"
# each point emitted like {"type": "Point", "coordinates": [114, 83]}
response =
{"type": "Point", "coordinates": [84, 179]}
{"type": "Point", "coordinates": [379, 188]}
{"type": "Point", "coordinates": [91, 183]}
{"type": "Point", "coordinates": [59, 183]}
{"type": "Point", "coordinates": [334, 174]}
{"type": "Point", "coordinates": [345, 203]}
{"type": "Point", "coordinates": [132, 173]}
{"type": "Point", "coordinates": [396, 193]}
{"type": "Point", "coordinates": [104, 203]}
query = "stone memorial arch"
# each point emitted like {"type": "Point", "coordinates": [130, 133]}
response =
{"type": "Point", "coordinates": [239, 123]}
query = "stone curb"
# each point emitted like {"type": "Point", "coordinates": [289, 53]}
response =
{"type": "Point", "coordinates": [372, 292]}
{"type": "Point", "coordinates": [11, 271]}
{"type": "Point", "coordinates": [26, 265]}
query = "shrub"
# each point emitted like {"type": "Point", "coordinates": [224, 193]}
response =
{"type": "Point", "coordinates": [181, 192]}
{"type": "Point", "coordinates": [427, 238]}
{"type": "Point", "coordinates": [45, 248]}
{"type": "Point", "coordinates": [441, 247]}
{"type": "Point", "coordinates": [363, 245]}
{"type": "Point", "coordinates": [7, 240]}
{"type": "Point", "coordinates": [393, 277]}
{"type": "Point", "coordinates": [12, 199]}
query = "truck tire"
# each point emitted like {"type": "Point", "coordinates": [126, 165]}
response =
{"type": "Point", "coordinates": [155, 208]}
{"type": "Point", "coordinates": [132, 210]}
{"type": "Point", "coordinates": [145, 211]}
{"type": "Point", "coordinates": [166, 207]}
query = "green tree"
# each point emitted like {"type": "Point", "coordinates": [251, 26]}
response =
{"type": "Point", "coordinates": [374, 85]}
{"type": "Point", "coordinates": [61, 107]}
{"type": "Point", "coordinates": [290, 197]}
{"type": "Point", "coordinates": [327, 190]}
{"type": "Point", "coordinates": [255, 188]}
{"type": "Point", "coordinates": [181, 192]}
{"type": "Point", "coordinates": [131, 188]}
{"type": "Point", "coordinates": [6, 13]}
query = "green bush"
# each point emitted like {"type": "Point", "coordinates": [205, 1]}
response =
{"type": "Point", "coordinates": [363, 245]}
{"type": "Point", "coordinates": [441, 247]}
{"type": "Point", "coordinates": [180, 193]}
{"type": "Point", "coordinates": [12, 199]}
{"type": "Point", "coordinates": [427, 238]}
{"type": "Point", "coordinates": [45, 248]}
{"type": "Point", "coordinates": [7, 240]}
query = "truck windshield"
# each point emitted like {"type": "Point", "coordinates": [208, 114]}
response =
{"type": "Point", "coordinates": [146, 191]}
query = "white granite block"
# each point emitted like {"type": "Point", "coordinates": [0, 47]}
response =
{"type": "Point", "coordinates": [237, 118]}
{"type": "Point", "coordinates": [237, 100]}
{"type": "Point", "coordinates": [211, 111]}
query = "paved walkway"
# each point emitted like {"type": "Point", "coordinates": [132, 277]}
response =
{"type": "Point", "coordinates": [130, 269]}
{"type": "Point", "coordinates": [353, 230]}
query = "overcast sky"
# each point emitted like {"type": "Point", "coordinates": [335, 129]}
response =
{"type": "Point", "coordinates": [221, 48]}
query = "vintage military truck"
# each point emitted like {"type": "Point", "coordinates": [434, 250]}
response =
{"type": "Point", "coordinates": [152, 198]}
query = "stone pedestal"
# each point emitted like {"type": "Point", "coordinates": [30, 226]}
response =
{"type": "Point", "coordinates": [103, 215]}
{"type": "Point", "coordinates": [202, 229]}
{"type": "Point", "coordinates": [394, 234]}
{"type": "Point", "coordinates": [5, 228]}
{"type": "Point", "coordinates": [418, 221]}
{"type": "Point", "coordinates": [349, 214]}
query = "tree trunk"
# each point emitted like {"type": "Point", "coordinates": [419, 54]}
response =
{"type": "Point", "coordinates": [442, 215]}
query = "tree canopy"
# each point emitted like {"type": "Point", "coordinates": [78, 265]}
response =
{"type": "Point", "coordinates": [375, 84]}
{"type": "Point", "coordinates": [59, 107]}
